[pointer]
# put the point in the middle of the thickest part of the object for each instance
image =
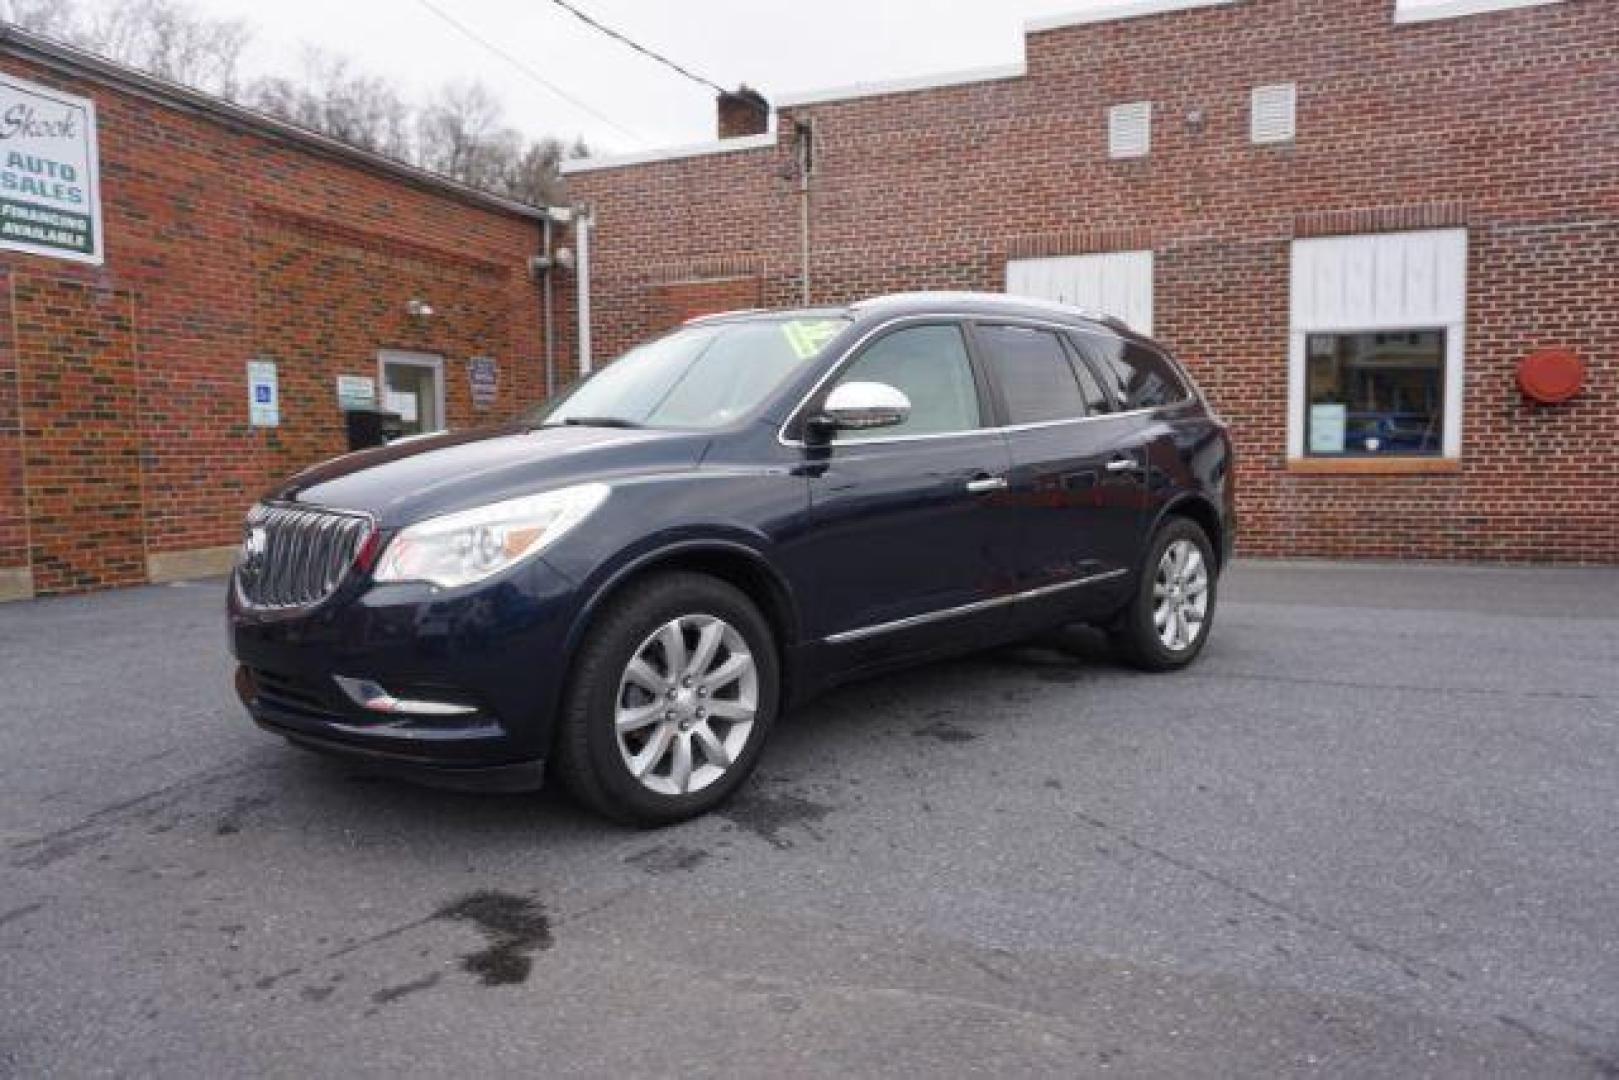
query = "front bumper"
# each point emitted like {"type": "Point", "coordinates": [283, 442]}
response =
{"type": "Point", "coordinates": [497, 651]}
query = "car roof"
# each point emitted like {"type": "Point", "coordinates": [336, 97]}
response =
{"type": "Point", "coordinates": [928, 303]}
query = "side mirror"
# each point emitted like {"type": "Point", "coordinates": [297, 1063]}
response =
{"type": "Point", "coordinates": [861, 406]}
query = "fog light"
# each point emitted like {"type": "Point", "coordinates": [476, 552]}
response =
{"type": "Point", "coordinates": [372, 696]}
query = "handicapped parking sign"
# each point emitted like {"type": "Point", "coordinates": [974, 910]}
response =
{"type": "Point", "coordinates": [263, 394]}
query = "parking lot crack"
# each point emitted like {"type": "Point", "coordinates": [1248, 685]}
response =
{"type": "Point", "coordinates": [1404, 688]}
{"type": "Point", "coordinates": [92, 829]}
{"type": "Point", "coordinates": [1408, 964]}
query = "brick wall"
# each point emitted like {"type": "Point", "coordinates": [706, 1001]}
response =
{"type": "Point", "coordinates": [1503, 123]}
{"type": "Point", "coordinates": [123, 397]}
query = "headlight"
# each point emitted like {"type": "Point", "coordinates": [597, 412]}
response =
{"type": "Point", "coordinates": [460, 548]}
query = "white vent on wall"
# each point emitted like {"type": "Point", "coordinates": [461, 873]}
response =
{"type": "Point", "coordinates": [1274, 114]}
{"type": "Point", "coordinates": [1129, 130]}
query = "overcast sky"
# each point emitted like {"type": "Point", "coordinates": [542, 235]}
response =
{"type": "Point", "coordinates": [776, 45]}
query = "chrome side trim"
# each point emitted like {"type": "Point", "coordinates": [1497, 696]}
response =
{"type": "Point", "coordinates": [969, 609]}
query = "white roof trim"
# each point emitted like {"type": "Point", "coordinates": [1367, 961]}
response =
{"type": "Point", "coordinates": [676, 153]}
{"type": "Point", "coordinates": [1452, 9]}
{"type": "Point", "coordinates": [904, 86]}
{"type": "Point", "coordinates": [1123, 9]}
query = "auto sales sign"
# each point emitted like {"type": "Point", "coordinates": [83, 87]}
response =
{"type": "Point", "coordinates": [50, 197]}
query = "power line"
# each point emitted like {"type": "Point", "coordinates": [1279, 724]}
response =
{"type": "Point", "coordinates": [657, 57]}
{"type": "Point", "coordinates": [527, 70]}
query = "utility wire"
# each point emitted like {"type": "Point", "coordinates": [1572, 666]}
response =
{"type": "Point", "coordinates": [657, 57]}
{"type": "Point", "coordinates": [527, 70]}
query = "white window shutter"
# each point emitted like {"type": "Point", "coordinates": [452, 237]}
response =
{"type": "Point", "coordinates": [1274, 113]}
{"type": "Point", "coordinates": [1129, 130]}
{"type": "Point", "coordinates": [1117, 283]}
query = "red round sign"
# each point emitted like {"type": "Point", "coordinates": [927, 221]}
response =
{"type": "Point", "coordinates": [1551, 376]}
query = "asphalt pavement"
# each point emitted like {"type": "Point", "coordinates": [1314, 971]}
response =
{"type": "Point", "coordinates": [1374, 832]}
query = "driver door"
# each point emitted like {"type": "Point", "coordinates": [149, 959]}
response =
{"type": "Point", "coordinates": [901, 545]}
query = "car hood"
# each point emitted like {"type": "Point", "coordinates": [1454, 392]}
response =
{"type": "Point", "coordinates": [422, 478]}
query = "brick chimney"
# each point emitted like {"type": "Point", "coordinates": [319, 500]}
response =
{"type": "Point", "coordinates": [743, 112]}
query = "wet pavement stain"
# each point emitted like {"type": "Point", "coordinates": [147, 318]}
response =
{"type": "Point", "coordinates": [393, 993]}
{"type": "Point", "coordinates": [667, 859]}
{"type": "Point", "coordinates": [515, 927]}
{"type": "Point", "coordinates": [945, 732]}
{"type": "Point", "coordinates": [766, 816]}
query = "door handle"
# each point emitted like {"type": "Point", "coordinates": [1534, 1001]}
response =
{"type": "Point", "coordinates": [984, 484]}
{"type": "Point", "coordinates": [1123, 465]}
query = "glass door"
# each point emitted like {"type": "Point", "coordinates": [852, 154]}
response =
{"type": "Point", "coordinates": [413, 387]}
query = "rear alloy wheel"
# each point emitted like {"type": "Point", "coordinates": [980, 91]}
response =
{"type": "Point", "coordinates": [669, 702]}
{"type": "Point", "coordinates": [1167, 622]}
{"type": "Point", "coordinates": [1180, 591]}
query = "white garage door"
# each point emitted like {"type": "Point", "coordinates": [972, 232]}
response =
{"type": "Point", "coordinates": [1118, 283]}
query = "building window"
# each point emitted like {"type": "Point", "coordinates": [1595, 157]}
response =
{"type": "Point", "coordinates": [1375, 394]}
{"type": "Point", "coordinates": [1273, 113]}
{"type": "Point", "coordinates": [1129, 130]}
{"type": "Point", "coordinates": [1378, 345]}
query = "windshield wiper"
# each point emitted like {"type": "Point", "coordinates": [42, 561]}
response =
{"type": "Point", "coordinates": [598, 421]}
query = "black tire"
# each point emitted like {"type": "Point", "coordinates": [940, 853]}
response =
{"type": "Point", "coordinates": [587, 759]}
{"type": "Point", "coordinates": [1134, 634]}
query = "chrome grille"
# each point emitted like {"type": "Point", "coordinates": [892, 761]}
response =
{"type": "Point", "coordinates": [296, 557]}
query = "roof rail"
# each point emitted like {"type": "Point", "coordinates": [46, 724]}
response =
{"type": "Point", "coordinates": [994, 298]}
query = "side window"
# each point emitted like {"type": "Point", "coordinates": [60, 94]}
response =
{"type": "Point", "coordinates": [929, 365]}
{"type": "Point", "coordinates": [1036, 378]}
{"type": "Point", "coordinates": [1145, 379]}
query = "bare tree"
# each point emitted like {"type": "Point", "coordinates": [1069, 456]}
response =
{"type": "Point", "coordinates": [57, 19]}
{"type": "Point", "coordinates": [333, 99]}
{"type": "Point", "coordinates": [534, 177]}
{"type": "Point", "coordinates": [166, 38]}
{"type": "Point", "coordinates": [461, 132]}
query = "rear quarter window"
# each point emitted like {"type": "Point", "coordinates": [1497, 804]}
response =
{"type": "Point", "coordinates": [1144, 377]}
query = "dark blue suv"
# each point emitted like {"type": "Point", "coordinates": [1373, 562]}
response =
{"type": "Point", "coordinates": [626, 587]}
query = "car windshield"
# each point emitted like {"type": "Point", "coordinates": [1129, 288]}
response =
{"type": "Point", "coordinates": [698, 377]}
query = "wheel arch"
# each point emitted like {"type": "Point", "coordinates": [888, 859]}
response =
{"type": "Point", "coordinates": [1199, 509]}
{"type": "Point", "coordinates": [734, 563]}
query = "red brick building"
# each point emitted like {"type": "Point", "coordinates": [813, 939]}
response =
{"type": "Point", "coordinates": [128, 451]}
{"type": "Point", "coordinates": [1354, 219]}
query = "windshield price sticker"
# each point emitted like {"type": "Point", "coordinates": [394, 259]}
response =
{"type": "Point", "coordinates": [807, 337]}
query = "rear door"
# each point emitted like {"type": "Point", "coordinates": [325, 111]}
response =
{"type": "Point", "coordinates": [1076, 482]}
{"type": "Point", "coordinates": [900, 549]}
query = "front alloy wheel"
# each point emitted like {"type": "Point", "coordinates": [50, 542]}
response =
{"type": "Point", "coordinates": [669, 701]}
{"type": "Point", "coordinates": [686, 704]}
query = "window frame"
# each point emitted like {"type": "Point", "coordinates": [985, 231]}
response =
{"type": "Point", "coordinates": [792, 432]}
{"type": "Point", "coordinates": [1437, 454]}
{"type": "Point", "coordinates": [1189, 392]}
{"type": "Point", "coordinates": [1448, 313]}
{"type": "Point", "coordinates": [1073, 356]}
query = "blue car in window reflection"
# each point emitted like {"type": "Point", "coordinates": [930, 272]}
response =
{"type": "Point", "coordinates": [1392, 433]}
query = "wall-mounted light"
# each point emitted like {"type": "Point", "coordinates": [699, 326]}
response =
{"type": "Point", "coordinates": [561, 259]}
{"type": "Point", "coordinates": [419, 309]}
